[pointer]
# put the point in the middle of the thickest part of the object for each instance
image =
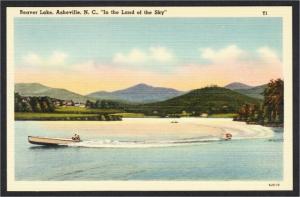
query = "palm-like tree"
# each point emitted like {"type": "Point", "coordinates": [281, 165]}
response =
{"type": "Point", "coordinates": [273, 100]}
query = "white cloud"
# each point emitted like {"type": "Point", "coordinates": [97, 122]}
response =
{"type": "Point", "coordinates": [229, 54]}
{"type": "Point", "coordinates": [57, 58]}
{"type": "Point", "coordinates": [160, 54]}
{"type": "Point", "coordinates": [233, 55]}
{"type": "Point", "coordinates": [32, 59]}
{"type": "Point", "coordinates": [136, 56]}
{"type": "Point", "coordinates": [268, 55]}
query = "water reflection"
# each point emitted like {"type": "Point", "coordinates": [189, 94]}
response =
{"type": "Point", "coordinates": [48, 147]}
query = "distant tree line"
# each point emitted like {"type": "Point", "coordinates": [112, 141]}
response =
{"type": "Point", "coordinates": [33, 104]}
{"type": "Point", "coordinates": [104, 104]}
{"type": "Point", "coordinates": [270, 112]}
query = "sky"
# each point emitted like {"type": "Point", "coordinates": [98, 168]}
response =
{"type": "Point", "coordinates": [92, 54]}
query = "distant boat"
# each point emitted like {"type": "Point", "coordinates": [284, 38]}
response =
{"type": "Point", "coordinates": [174, 121]}
{"type": "Point", "coordinates": [51, 141]}
{"type": "Point", "coordinates": [227, 136]}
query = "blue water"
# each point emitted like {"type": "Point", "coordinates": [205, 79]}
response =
{"type": "Point", "coordinates": [247, 159]}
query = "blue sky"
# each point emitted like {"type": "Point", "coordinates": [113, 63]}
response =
{"type": "Point", "coordinates": [116, 42]}
{"type": "Point", "coordinates": [100, 38]}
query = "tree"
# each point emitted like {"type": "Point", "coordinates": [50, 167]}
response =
{"type": "Point", "coordinates": [18, 102]}
{"type": "Point", "coordinates": [260, 117]}
{"type": "Point", "coordinates": [26, 107]}
{"type": "Point", "coordinates": [104, 104]}
{"type": "Point", "coordinates": [44, 106]}
{"type": "Point", "coordinates": [51, 106]}
{"type": "Point", "coordinates": [244, 112]}
{"type": "Point", "coordinates": [253, 111]}
{"type": "Point", "coordinates": [98, 104]}
{"type": "Point", "coordinates": [35, 105]}
{"type": "Point", "coordinates": [272, 109]}
{"type": "Point", "coordinates": [273, 101]}
{"type": "Point", "coordinates": [88, 104]}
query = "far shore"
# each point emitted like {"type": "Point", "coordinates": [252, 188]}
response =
{"type": "Point", "coordinates": [29, 116]}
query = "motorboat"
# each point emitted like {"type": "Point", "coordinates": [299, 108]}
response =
{"type": "Point", "coordinates": [227, 136]}
{"type": "Point", "coordinates": [52, 141]}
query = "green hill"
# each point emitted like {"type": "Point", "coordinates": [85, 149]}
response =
{"type": "Point", "coordinates": [36, 89]}
{"type": "Point", "coordinates": [210, 100]}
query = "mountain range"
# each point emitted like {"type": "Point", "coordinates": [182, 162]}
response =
{"type": "Point", "coordinates": [251, 91]}
{"type": "Point", "coordinates": [36, 89]}
{"type": "Point", "coordinates": [140, 93]}
{"type": "Point", "coordinates": [237, 86]}
{"type": "Point", "coordinates": [255, 92]}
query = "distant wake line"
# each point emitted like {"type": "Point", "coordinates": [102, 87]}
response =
{"type": "Point", "coordinates": [141, 144]}
{"type": "Point", "coordinates": [252, 132]}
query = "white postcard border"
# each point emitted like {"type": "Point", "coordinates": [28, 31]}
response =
{"type": "Point", "coordinates": [247, 11]}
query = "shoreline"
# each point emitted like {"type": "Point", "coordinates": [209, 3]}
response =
{"type": "Point", "coordinates": [71, 116]}
{"type": "Point", "coordinates": [274, 125]}
{"type": "Point", "coordinates": [26, 116]}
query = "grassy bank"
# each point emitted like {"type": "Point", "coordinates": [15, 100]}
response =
{"type": "Point", "coordinates": [79, 113]}
{"type": "Point", "coordinates": [141, 115]}
{"type": "Point", "coordinates": [69, 113]}
{"type": "Point", "coordinates": [134, 115]}
{"type": "Point", "coordinates": [83, 110]}
{"type": "Point", "coordinates": [64, 117]}
{"type": "Point", "coordinates": [131, 115]}
{"type": "Point", "coordinates": [229, 115]}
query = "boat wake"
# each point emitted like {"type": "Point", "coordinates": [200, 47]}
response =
{"type": "Point", "coordinates": [107, 143]}
{"type": "Point", "coordinates": [238, 133]}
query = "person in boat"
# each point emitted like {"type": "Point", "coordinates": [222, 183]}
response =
{"type": "Point", "coordinates": [76, 137]}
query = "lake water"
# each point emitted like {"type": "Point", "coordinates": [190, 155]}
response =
{"type": "Point", "coordinates": [150, 149]}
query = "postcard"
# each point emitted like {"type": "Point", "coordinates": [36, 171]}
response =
{"type": "Point", "coordinates": [149, 98]}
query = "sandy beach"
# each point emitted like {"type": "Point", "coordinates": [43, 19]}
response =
{"type": "Point", "coordinates": [163, 128]}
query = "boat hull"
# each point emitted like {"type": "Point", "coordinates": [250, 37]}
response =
{"type": "Point", "coordinates": [50, 141]}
